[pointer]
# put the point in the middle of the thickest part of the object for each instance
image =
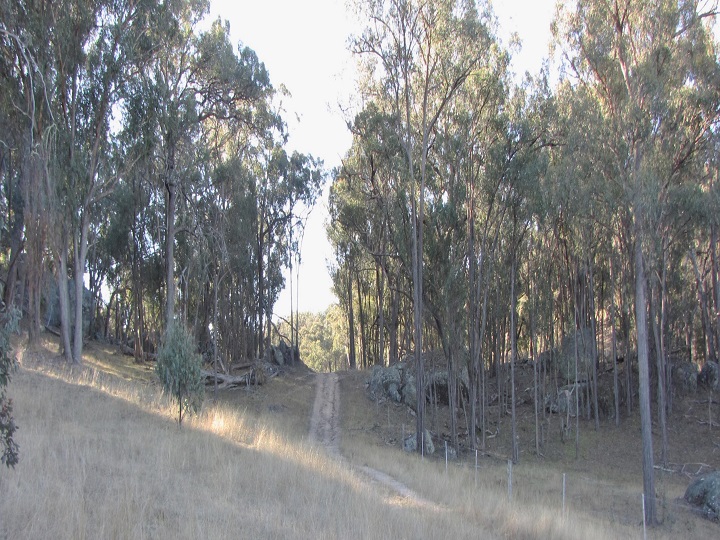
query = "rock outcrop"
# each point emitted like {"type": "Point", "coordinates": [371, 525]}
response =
{"type": "Point", "coordinates": [685, 377]}
{"type": "Point", "coordinates": [410, 443]}
{"type": "Point", "coordinates": [397, 383]}
{"type": "Point", "coordinates": [282, 354]}
{"type": "Point", "coordinates": [705, 494]}
{"type": "Point", "coordinates": [710, 375]}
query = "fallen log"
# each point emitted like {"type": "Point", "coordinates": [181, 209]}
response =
{"type": "Point", "coordinates": [129, 351]}
{"type": "Point", "coordinates": [255, 376]}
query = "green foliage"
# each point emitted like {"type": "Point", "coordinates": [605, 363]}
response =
{"type": "Point", "coordinates": [179, 368]}
{"type": "Point", "coordinates": [322, 339]}
{"type": "Point", "coordinates": [8, 325]}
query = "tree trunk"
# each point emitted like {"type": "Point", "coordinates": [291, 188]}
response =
{"type": "Point", "coordinates": [64, 299]}
{"type": "Point", "coordinates": [577, 390]}
{"type": "Point", "coordinates": [715, 282]}
{"type": "Point", "coordinates": [351, 324]}
{"type": "Point", "coordinates": [642, 346]}
{"type": "Point", "coordinates": [656, 319]}
{"type": "Point", "coordinates": [418, 310]}
{"type": "Point", "coordinates": [593, 344]}
{"type": "Point", "coordinates": [613, 339]}
{"type": "Point", "coordinates": [363, 329]}
{"type": "Point", "coordinates": [380, 277]}
{"type": "Point", "coordinates": [171, 189]}
{"type": "Point", "coordinates": [17, 203]}
{"type": "Point", "coordinates": [513, 360]}
{"type": "Point", "coordinates": [81, 249]}
{"type": "Point", "coordinates": [394, 324]}
{"type": "Point", "coordinates": [704, 308]}
{"type": "Point", "coordinates": [479, 356]}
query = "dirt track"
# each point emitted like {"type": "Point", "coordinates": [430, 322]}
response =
{"type": "Point", "coordinates": [324, 424]}
{"type": "Point", "coordinates": [325, 431]}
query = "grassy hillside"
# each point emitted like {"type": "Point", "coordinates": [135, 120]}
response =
{"type": "Point", "coordinates": [102, 457]}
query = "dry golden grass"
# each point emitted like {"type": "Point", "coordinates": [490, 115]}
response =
{"type": "Point", "coordinates": [95, 464]}
{"type": "Point", "coordinates": [102, 457]}
{"type": "Point", "coordinates": [603, 487]}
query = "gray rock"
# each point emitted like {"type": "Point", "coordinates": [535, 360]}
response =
{"type": "Point", "coordinates": [685, 377]}
{"type": "Point", "coordinates": [436, 384]}
{"type": "Point", "coordinates": [451, 452]}
{"type": "Point", "coordinates": [397, 382]}
{"type": "Point", "coordinates": [409, 392]}
{"type": "Point", "coordinates": [387, 382]}
{"type": "Point", "coordinates": [710, 375]}
{"type": "Point", "coordinates": [410, 443]}
{"type": "Point", "coordinates": [564, 359]}
{"type": "Point", "coordinates": [393, 390]}
{"type": "Point", "coordinates": [291, 355]}
{"type": "Point", "coordinates": [705, 493]}
{"type": "Point", "coordinates": [278, 356]}
{"type": "Point", "coordinates": [564, 400]}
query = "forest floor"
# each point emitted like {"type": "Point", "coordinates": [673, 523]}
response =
{"type": "Point", "coordinates": [362, 440]}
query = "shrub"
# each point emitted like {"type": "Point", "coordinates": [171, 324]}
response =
{"type": "Point", "coordinates": [179, 369]}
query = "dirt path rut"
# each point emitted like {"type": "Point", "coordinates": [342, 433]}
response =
{"type": "Point", "coordinates": [324, 424]}
{"type": "Point", "coordinates": [325, 432]}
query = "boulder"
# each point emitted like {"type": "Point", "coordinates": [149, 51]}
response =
{"type": "Point", "coordinates": [437, 383]}
{"type": "Point", "coordinates": [387, 382]}
{"type": "Point", "coordinates": [410, 443]}
{"type": "Point", "coordinates": [685, 377]}
{"type": "Point", "coordinates": [606, 404]}
{"type": "Point", "coordinates": [291, 355]}
{"type": "Point", "coordinates": [277, 356]}
{"type": "Point", "coordinates": [705, 494]}
{"type": "Point", "coordinates": [409, 391]}
{"type": "Point", "coordinates": [564, 359]}
{"type": "Point", "coordinates": [564, 400]}
{"type": "Point", "coordinates": [710, 375]}
{"type": "Point", "coordinates": [282, 354]}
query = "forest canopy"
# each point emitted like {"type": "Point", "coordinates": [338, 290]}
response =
{"type": "Point", "coordinates": [149, 156]}
{"type": "Point", "coordinates": [491, 220]}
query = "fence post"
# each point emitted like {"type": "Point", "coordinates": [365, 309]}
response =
{"type": "Point", "coordinates": [563, 493]}
{"type": "Point", "coordinates": [476, 468]}
{"type": "Point", "coordinates": [509, 469]}
{"type": "Point", "coordinates": [643, 516]}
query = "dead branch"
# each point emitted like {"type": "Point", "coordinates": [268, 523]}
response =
{"type": "Point", "coordinates": [700, 467]}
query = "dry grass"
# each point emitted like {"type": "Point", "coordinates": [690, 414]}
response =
{"type": "Point", "coordinates": [102, 457]}
{"type": "Point", "coordinates": [603, 487]}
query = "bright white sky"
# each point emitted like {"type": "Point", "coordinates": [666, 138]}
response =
{"type": "Point", "coordinates": [304, 47]}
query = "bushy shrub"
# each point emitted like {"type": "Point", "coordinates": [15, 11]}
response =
{"type": "Point", "coordinates": [8, 325]}
{"type": "Point", "coordinates": [179, 368]}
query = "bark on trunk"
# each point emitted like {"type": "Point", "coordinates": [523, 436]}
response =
{"type": "Point", "coordinates": [81, 249]}
{"type": "Point", "coordinates": [64, 299]}
{"type": "Point", "coordinates": [513, 360]}
{"type": "Point", "coordinates": [351, 324]}
{"type": "Point", "coordinates": [171, 188]}
{"type": "Point", "coordinates": [643, 361]}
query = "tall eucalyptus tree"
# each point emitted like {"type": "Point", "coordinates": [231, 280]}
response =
{"type": "Point", "coordinates": [195, 78]}
{"type": "Point", "coordinates": [422, 53]}
{"type": "Point", "coordinates": [647, 65]}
